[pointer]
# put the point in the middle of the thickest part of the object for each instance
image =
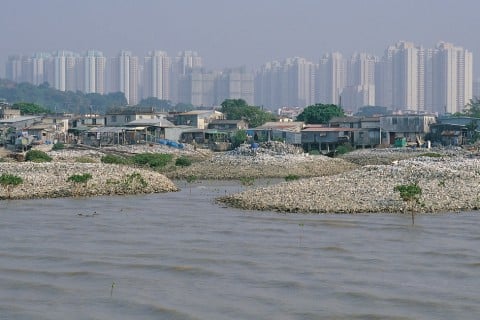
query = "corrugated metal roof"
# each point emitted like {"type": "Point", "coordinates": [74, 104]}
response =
{"type": "Point", "coordinates": [279, 125]}
{"type": "Point", "coordinates": [109, 129]}
{"type": "Point", "coordinates": [19, 119]}
{"type": "Point", "coordinates": [327, 129]}
{"type": "Point", "coordinates": [219, 121]}
{"type": "Point", "coordinates": [41, 126]}
{"type": "Point", "coordinates": [151, 122]}
{"type": "Point", "coordinates": [197, 112]}
{"type": "Point", "coordinates": [345, 119]}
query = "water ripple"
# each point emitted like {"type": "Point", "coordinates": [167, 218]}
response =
{"type": "Point", "coordinates": [181, 256]}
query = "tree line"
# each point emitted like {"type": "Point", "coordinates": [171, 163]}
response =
{"type": "Point", "coordinates": [32, 99]}
{"type": "Point", "coordinates": [49, 100]}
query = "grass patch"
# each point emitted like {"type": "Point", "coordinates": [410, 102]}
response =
{"type": "Point", "coordinates": [80, 178]}
{"type": "Point", "coordinates": [9, 182]}
{"type": "Point", "coordinates": [191, 178]}
{"type": "Point", "coordinates": [114, 159]}
{"type": "Point", "coordinates": [135, 178]}
{"type": "Point", "coordinates": [183, 161]}
{"type": "Point", "coordinates": [291, 177]}
{"type": "Point", "coordinates": [247, 181]}
{"type": "Point", "coordinates": [152, 160]}
{"type": "Point", "coordinates": [58, 146]}
{"type": "Point", "coordinates": [85, 160]}
{"type": "Point", "coordinates": [344, 148]}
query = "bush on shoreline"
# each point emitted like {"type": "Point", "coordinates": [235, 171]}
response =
{"type": "Point", "coordinates": [37, 156]}
{"type": "Point", "coordinates": [114, 159]}
{"type": "Point", "coordinates": [58, 146]}
{"type": "Point", "coordinates": [291, 177]}
{"type": "Point", "coordinates": [152, 160]}
{"type": "Point", "coordinates": [183, 161]}
{"type": "Point", "coordinates": [10, 181]}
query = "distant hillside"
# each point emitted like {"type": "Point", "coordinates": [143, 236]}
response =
{"type": "Point", "coordinates": [59, 101]}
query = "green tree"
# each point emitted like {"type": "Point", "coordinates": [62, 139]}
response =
{"type": "Point", "coordinates": [472, 131]}
{"type": "Point", "coordinates": [320, 113]}
{"type": "Point", "coordinates": [183, 107]}
{"type": "Point", "coordinates": [191, 179]}
{"type": "Point", "coordinates": [238, 138]}
{"type": "Point", "coordinates": [9, 182]}
{"type": "Point", "coordinates": [29, 108]}
{"type": "Point", "coordinates": [410, 193]}
{"type": "Point", "coordinates": [238, 109]}
{"type": "Point", "coordinates": [30, 98]}
{"type": "Point", "coordinates": [159, 104]}
{"type": "Point", "coordinates": [473, 108]}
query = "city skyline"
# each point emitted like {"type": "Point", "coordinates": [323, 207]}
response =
{"type": "Point", "coordinates": [317, 57]}
{"type": "Point", "coordinates": [234, 33]}
{"type": "Point", "coordinates": [407, 77]}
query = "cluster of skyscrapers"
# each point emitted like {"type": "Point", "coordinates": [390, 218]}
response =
{"type": "Point", "coordinates": [406, 78]}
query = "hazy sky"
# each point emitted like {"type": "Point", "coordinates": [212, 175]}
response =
{"type": "Point", "coordinates": [229, 33]}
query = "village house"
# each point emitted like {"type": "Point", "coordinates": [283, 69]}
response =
{"type": "Point", "coordinates": [79, 125]}
{"type": "Point", "coordinates": [7, 112]}
{"type": "Point", "coordinates": [198, 118]}
{"type": "Point", "coordinates": [370, 135]}
{"type": "Point", "coordinates": [289, 112]}
{"type": "Point", "coordinates": [13, 131]}
{"type": "Point", "coordinates": [120, 125]}
{"type": "Point", "coordinates": [288, 132]}
{"type": "Point", "coordinates": [228, 125]}
{"type": "Point", "coordinates": [88, 121]}
{"type": "Point", "coordinates": [367, 133]}
{"type": "Point", "coordinates": [106, 136]}
{"type": "Point", "coordinates": [385, 130]}
{"type": "Point", "coordinates": [122, 115]}
{"type": "Point", "coordinates": [411, 127]}
{"type": "Point", "coordinates": [206, 137]}
{"type": "Point", "coordinates": [153, 129]}
{"type": "Point", "coordinates": [325, 139]}
{"type": "Point", "coordinates": [454, 131]}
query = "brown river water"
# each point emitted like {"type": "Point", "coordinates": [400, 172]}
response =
{"type": "Point", "coordinates": [182, 256]}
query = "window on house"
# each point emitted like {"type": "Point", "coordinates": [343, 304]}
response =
{"type": "Point", "coordinates": [114, 118]}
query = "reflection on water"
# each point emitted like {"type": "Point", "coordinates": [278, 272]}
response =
{"type": "Point", "coordinates": [181, 256]}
